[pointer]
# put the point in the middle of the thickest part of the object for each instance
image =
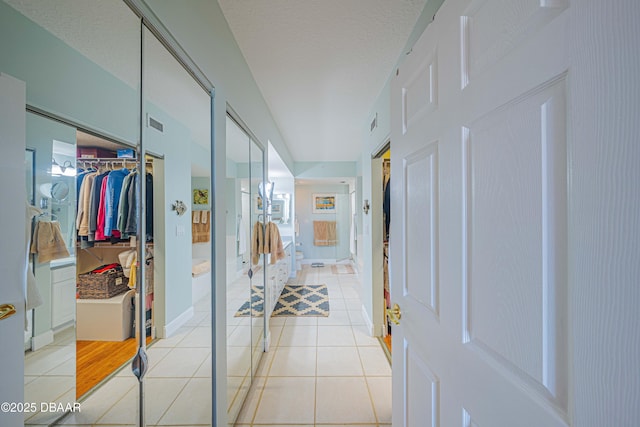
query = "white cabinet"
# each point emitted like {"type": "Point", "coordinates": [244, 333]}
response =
{"type": "Point", "coordinates": [277, 277]}
{"type": "Point", "coordinates": [63, 295]}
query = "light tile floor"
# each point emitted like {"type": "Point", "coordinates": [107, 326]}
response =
{"type": "Point", "coordinates": [318, 372]}
{"type": "Point", "coordinates": [177, 384]}
{"type": "Point", "coordinates": [322, 371]}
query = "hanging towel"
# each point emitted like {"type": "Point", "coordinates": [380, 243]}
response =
{"type": "Point", "coordinates": [324, 233]}
{"type": "Point", "coordinates": [257, 242]}
{"type": "Point", "coordinates": [241, 237]}
{"type": "Point", "coordinates": [200, 226]}
{"type": "Point", "coordinates": [273, 243]}
{"type": "Point", "coordinates": [48, 242]}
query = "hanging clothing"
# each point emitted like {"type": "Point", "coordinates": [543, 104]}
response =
{"type": "Point", "coordinates": [47, 241]}
{"type": "Point", "coordinates": [273, 242]}
{"type": "Point", "coordinates": [149, 207]}
{"type": "Point", "coordinates": [266, 240]}
{"type": "Point", "coordinates": [131, 223]}
{"type": "Point", "coordinates": [112, 198]}
{"type": "Point", "coordinates": [33, 298]}
{"type": "Point", "coordinates": [257, 242]}
{"type": "Point", "coordinates": [101, 210]}
{"type": "Point", "coordinates": [123, 205]}
{"type": "Point", "coordinates": [386, 207]}
{"type": "Point", "coordinates": [94, 205]}
{"type": "Point", "coordinates": [82, 217]}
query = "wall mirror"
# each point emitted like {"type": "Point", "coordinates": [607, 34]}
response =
{"type": "Point", "coordinates": [50, 340]}
{"type": "Point", "coordinates": [245, 270]}
{"type": "Point", "coordinates": [281, 208]}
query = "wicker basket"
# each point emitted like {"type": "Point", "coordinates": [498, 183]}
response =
{"type": "Point", "coordinates": [102, 286]}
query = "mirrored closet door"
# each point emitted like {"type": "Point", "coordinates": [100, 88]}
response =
{"type": "Point", "coordinates": [245, 267]}
{"type": "Point", "coordinates": [50, 357]}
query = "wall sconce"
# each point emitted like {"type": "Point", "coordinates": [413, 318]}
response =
{"type": "Point", "coordinates": [66, 169]}
{"type": "Point", "coordinates": [366, 207]}
{"type": "Point", "coordinates": [180, 207]}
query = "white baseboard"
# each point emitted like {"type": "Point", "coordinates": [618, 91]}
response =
{"type": "Point", "coordinates": [368, 323]}
{"type": "Point", "coordinates": [39, 341]}
{"type": "Point", "coordinates": [178, 322]}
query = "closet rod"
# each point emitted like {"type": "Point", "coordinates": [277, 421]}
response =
{"type": "Point", "coordinates": [110, 159]}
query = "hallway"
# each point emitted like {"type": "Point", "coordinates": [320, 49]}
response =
{"type": "Point", "coordinates": [322, 370]}
{"type": "Point", "coordinates": [319, 371]}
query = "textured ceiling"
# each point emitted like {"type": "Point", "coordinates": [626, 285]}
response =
{"type": "Point", "coordinates": [321, 65]}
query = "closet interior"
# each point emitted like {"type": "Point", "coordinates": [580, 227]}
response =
{"type": "Point", "coordinates": [386, 208]}
{"type": "Point", "coordinates": [106, 258]}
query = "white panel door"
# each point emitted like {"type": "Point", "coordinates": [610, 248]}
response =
{"type": "Point", "coordinates": [12, 248]}
{"type": "Point", "coordinates": [479, 241]}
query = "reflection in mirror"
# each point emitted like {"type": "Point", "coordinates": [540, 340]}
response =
{"type": "Point", "coordinates": [175, 100]}
{"type": "Point", "coordinates": [281, 208]}
{"type": "Point", "coordinates": [29, 167]}
{"type": "Point", "coordinates": [245, 272]}
{"type": "Point", "coordinates": [50, 339]}
{"type": "Point", "coordinates": [256, 179]}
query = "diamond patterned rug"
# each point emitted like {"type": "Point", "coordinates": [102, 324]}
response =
{"type": "Point", "coordinates": [295, 300]}
{"type": "Point", "coordinates": [257, 300]}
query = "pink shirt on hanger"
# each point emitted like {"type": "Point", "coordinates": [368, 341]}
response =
{"type": "Point", "coordinates": [102, 210]}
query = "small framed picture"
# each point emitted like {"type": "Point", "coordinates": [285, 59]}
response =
{"type": "Point", "coordinates": [324, 203]}
{"type": "Point", "coordinates": [200, 196]}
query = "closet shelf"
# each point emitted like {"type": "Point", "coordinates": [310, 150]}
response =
{"type": "Point", "coordinates": [119, 245]}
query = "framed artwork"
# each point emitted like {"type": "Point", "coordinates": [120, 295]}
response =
{"type": "Point", "coordinates": [324, 203]}
{"type": "Point", "coordinates": [200, 196]}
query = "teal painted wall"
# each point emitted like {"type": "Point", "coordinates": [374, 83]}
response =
{"type": "Point", "coordinates": [62, 81]}
{"type": "Point", "coordinates": [304, 212]}
{"type": "Point", "coordinates": [174, 144]}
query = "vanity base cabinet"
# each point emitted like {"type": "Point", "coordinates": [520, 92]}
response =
{"type": "Point", "coordinates": [63, 296]}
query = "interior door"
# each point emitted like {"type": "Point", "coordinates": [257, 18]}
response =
{"type": "Point", "coordinates": [479, 248]}
{"type": "Point", "coordinates": [13, 248]}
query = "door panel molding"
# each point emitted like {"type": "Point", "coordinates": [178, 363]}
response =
{"type": "Point", "coordinates": [420, 184]}
{"type": "Point", "coordinates": [501, 205]}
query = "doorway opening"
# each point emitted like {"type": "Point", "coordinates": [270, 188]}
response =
{"type": "Point", "coordinates": [386, 215]}
{"type": "Point", "coordinates": [106, 240]}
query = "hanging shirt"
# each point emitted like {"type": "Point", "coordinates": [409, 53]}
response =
{"type": "Point", "coordinates": [112, 198]}
{"type": "Point", "coordinates": [82, 218]}
{"type": "Point", "coordinates": [101, 210]}
{"type": "Point", "coordinates": [94, 204]}
{"type": "Point", "coordinates": [131, 224]}
{"type": "Point", "coordinates": [123, 205]}
{"type": "Point", "coordinates": [149, 207]}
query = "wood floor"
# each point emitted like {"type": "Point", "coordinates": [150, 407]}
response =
{"type": "Point", "coordinates": [96, 360]}
{"type": "Point", "coordinates": [387, 342]}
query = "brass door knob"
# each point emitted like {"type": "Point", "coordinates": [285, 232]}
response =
{"type": "Point", "coordinates": [7, 310]}
{"type": "Point", "coordinates": [394, 314]}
